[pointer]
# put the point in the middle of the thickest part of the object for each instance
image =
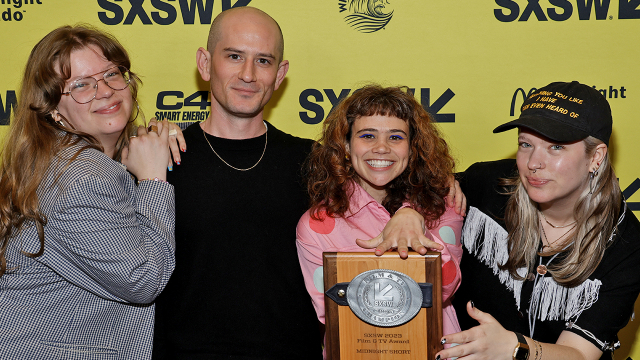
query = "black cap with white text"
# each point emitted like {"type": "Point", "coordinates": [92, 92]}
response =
{"type": "Point", "coordinates": [565, 112]}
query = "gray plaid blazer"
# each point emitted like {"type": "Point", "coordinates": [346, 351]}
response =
{"type": "Point", "coordinates": [109, 251]}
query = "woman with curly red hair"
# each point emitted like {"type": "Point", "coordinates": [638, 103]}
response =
{"type": "Point", "coordinates": [379, 152]}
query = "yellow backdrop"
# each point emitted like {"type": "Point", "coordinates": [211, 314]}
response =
{"type": "Point", "coordinates": [470, 62]}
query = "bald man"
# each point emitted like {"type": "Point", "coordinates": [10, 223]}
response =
{"type": "Point", "coordinates": [238, 291]}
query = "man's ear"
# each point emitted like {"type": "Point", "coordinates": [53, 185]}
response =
{"type": "Point", "coordinates": [283, 68]}
{"type": "Point", "coordinates": [203, 60]}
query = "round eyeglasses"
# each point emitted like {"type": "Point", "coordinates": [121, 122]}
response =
{"type": "Point", "coordinates": [84, 90]}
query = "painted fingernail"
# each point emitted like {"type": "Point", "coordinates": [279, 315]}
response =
{"type": "Point", "coordinates": [178, 162]}
{"type": "Point", "coordinates": [438, 357]}
{"type": "Point", "coordinates": [183, 149]}
{"type": "Point", "coordinates": [170, 168]}
{"type": "Point", "coordinates": [472, 304]}
{"type": "Point", "coordinates": [443, 341]}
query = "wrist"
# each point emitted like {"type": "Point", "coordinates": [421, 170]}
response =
{"type": "Point", "coordinates": [146, 175]}
{"type": "Point", "coordinates": [521, 350]}
{"type": "Point", "coordinates": [152, 179]}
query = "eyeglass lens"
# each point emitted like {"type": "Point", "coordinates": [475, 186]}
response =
{"type": "Point", "coordinates": [85, 90]}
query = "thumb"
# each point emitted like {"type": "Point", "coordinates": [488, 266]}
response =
{"type": "Point", "coordinates": [480, 316]}
{"type": "Point", "coordinates": [377, 242]}
{"type": "Point", "coordinates": [124, 157]}
{"type": "Point", "coordinates": [371, 243]}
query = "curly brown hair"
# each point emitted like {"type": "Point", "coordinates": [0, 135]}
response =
{"type": "Point", "coordinates": [425, 181]}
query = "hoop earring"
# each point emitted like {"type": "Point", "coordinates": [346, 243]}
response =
{"type": "Point", "coordinates": [591, 176]}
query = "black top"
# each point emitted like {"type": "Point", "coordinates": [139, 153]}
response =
{"type": "Point", "coordinates": [238, 291]}
{"type": "Point", "coordinates": [596, 310]}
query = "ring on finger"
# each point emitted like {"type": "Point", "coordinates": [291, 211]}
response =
{"type": "Point", "coordinates": [132, 136]}
{"type": "Point", "coordinates": [173, 132]}
{"type": "Point", "coordinates": [152, 128]}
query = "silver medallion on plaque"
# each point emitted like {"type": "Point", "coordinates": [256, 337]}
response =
{"type": "Point", "coordinates": [384, 297]}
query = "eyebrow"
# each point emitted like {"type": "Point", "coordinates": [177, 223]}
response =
{"type": "Point", "coordinates": [376, 130]}
{"type": "Point", "coordinates": [98, 73]}
{"type": "Point", "coordinates": [230, 49]}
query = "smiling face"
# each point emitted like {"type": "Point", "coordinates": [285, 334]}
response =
{"type": "Point", "coordinates": [379, 151]}
{"type": "Point", "coordinates": [561, 169]}
{"type": "Point", "coordinates": [106, 116]}
{"type": "Point", "coordinates": [244, 64]}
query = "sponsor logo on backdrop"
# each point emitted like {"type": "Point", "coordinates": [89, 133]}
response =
{"type": "Point", "coordinates": [161, 12]}
{"type": "Point", "coordinates": [608, 91]}
{"type": "Point", "coordinates": [6, 104]}
{"type": "Point", "coordinates": [310, 100]}
{"type": "Point", "coordinates": [366, 16]}
{"type": "Point", "coordinates": [174, 106]}
{"type": "Point", "coordinates": [17, 12]}
{"type": "Point", "coordinates": [561, 10]}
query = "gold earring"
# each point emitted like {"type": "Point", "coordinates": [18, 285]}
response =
{"type": "Point", "coordinates": [53, 116]}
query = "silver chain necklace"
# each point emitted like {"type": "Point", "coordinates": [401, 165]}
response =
{"type": "Point", "coordinates": [233, 167]}
{"type": "Point", "coordinates": [552, 243]}
{"type": "Point", "coordinates": [556, 226]}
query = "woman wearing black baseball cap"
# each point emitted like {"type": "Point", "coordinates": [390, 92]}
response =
{"type": "Point", "coordinates": [551, 249]}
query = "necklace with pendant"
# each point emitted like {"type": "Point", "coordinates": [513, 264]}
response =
{"type": "Point", "coordinates": [233, 167]}
{"type": "Point", "coordinates": [543, 269]}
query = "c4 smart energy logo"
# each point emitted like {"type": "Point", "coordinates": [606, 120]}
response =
{"type": "Point", "coordinates": [366, 16]}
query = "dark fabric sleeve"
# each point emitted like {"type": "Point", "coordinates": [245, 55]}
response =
{"type": "Point", "coordinates": [480, 183]}
{"type": "Point", "coordinates": [619, 273]}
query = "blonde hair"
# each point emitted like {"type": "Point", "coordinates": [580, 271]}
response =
{"type": "Point", "coordinates": [34, 137]}
{"type": "Point", "coordinates": [596, 215]}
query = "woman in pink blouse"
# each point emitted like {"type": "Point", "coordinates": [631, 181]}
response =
{"type": "Point", "coordinates": [379, 152]}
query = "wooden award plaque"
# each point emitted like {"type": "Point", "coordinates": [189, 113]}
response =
{"type": "Point", "coordinates": [348, 337]}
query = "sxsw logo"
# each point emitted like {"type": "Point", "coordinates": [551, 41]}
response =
{"type": "Point", "coordinates": [561, 10]}
{"type": "Point", "coordinates": [165, 12]}
{"type": "Point", "coordinates": [9, 102]}
{"type": "Point", "coordinates": [315, 113]}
